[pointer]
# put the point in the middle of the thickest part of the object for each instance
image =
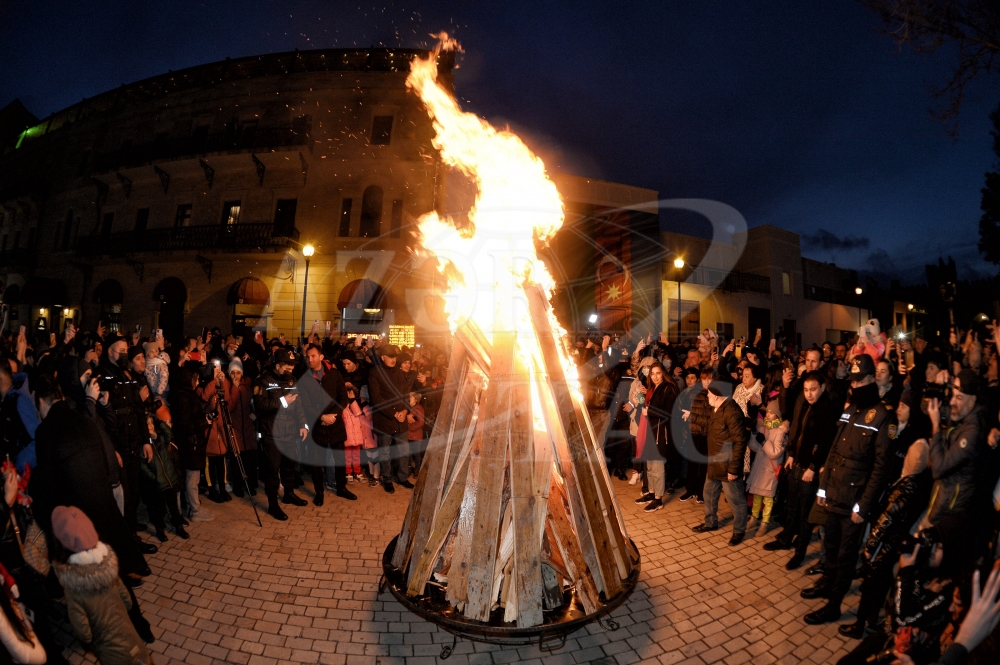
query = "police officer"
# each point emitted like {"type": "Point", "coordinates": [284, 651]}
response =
{"type": "Point", "coordinates": [281, 423]}
{"type": "Point", "coordinates": [128, 397]}
{"type": "Point", "coordinates": [854, 476]}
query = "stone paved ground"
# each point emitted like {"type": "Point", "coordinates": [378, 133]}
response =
{"type": "Point", "coordinates": [305, 591]}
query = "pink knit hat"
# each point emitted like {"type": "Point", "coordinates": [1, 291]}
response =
{"type": "Point", "coordinates": [73, 529]}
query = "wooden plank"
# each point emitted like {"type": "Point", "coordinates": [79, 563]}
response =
{"type": "Point", "coordinates": [430, 480]}
{"type": "Point", "coordinates": [495, 424]}
{"type": "Point", "coordinates": [475, 343]}
{"type": "Point", "coordinates": [567, 543]}
{"type": "Point", "coordinates": [444, 520]}
{"type": "Point", "coordinates": [604, 537]}
{"type": "Point", "coordinates": [528, 588]}
{"type": "Point", "coordinates": [464, 426]}
{"type": "Point", "coordinates": [567, 481]}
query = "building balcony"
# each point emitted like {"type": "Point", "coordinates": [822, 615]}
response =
{"type": "Point", "coordinates": [835, 296]}
{"type": "Point", "coordinates": [241, 237]}
{"type": "Point", "coordinates": [196, 146]}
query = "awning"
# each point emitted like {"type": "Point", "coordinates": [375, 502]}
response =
{"type": "Point", "coordinates": [249, 291]}
{"type": "Point", "coordinates": [109, 292]}
{"type": "Point", "coordinates": [45, 291]}
{"type": "Point", "coordinates": [362, 294]}
{"type": "Point", "coordinates": [12, 294]}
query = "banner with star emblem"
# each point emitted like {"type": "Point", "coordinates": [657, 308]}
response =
{"type": "Point", "coordinates": [613, 288]}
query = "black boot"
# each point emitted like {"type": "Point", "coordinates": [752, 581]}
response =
{"type": "Point", "coordinates": [826, 614]}
{"type": "Point", "coordinates": [855, 630]}
{"type": "Point", "coordinates": [274, 510]}
{"type": "Point", "coordinates": [291, 497]}
{"type": "Point", "coordinates": [821, 589]}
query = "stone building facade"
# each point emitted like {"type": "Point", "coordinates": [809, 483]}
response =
{"type": "Point", "coordinates": [184, 201]}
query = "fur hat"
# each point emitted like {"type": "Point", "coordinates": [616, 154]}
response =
{"type": "Point", "coordinates": [73, 529]}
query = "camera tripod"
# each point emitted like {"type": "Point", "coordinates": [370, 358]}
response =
{"type": "Point", "coordinates": [230, 434]}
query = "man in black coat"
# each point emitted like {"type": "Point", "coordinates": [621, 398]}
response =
{"type": "Point", "coordinates": [726, 449]}
{"type": "Point", "coordinates": [72, 471]}
{"type": "Point", "coordinates": [853, 478]}
{"type": "Point", "coordinates": [128, 398]}
{"type": "Point", "coordinates": [809, 440]}
{"type": "Point", "coordinates": [282, 425]}
{"type": "Point", "coordinates": [324, 397]}
{"type": "Point", "coordinates": [389, 391]}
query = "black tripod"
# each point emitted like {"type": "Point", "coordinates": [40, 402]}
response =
{"type": "Point", "coordinates": [227, 428]}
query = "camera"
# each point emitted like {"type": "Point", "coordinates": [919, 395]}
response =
{"type": "Point", "coordinates": [938, 391]}
{"type": "Point", "coordinates": [927, 539]}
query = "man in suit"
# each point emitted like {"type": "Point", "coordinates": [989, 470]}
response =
{"type": "Point", "coordinates": [325, 397]}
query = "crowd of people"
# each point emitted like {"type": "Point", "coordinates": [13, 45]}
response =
{"type": "Point", "coordinates": [886, 445]}
{"type": "Point", "coordinates": [100, 431]}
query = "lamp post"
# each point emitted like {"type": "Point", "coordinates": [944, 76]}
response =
{"type": "Point", "coordinates": [307, 252]}
{"type": "Point", "coordinates": [679, 265]}
{"type": "Point", "coordinates": [858, 292]}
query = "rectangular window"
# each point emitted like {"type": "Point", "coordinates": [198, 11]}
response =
{"type": "Point", "coordinates": [284, 218]}
{"type": "Point", "coordinates": [108, 224]}
{"type": "Point", "coordinates": [786, 283]}
{"type": "Point", "coordinates": [397, 218]}
{"type": "Point", "coordinates": [183, 217]}
{"type": "Point", "coordinates": [381, 130]}
{"type": "Point", "coordinates": [141, 220]}
{"type": "Point", "coordinates": [345, 218]}
{"type": "Point", "coordinates": [230, 213]}
{"type": "Point", "coordinates": [690, 321]}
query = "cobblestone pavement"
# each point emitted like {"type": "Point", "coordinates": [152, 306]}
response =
{"type": "Point", "coordinates": [305, 591]}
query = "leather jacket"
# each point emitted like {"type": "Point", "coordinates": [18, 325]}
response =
{"type": "Point", "coordinates": [907, 498]}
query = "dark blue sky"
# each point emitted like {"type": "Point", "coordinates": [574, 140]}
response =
{"type": "Point", "coordinates": [797, 114]}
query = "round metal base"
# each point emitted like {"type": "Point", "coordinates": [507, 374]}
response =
{"type": "Point", "coordinates": [549, 636]}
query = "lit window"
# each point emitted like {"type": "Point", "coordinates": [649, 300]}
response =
{"type": "Point", "coordinates": [786, 283]}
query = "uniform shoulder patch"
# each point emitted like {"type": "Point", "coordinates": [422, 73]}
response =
{"type": "Point", "coordinates": [892, 431]}
{"type": "Point", "coordinates": [963, 443]}
{"type": "Point", "coordinates": [870, 416]}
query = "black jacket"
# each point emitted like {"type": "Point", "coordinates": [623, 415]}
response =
{"type": "Point", "coordinates": [857, 469]}
{"type": "Point", "coordinates": [277, 420]}
{"type": "Point", "coordinates": [726, 441]}
{"type": "Point", "coordinates": [952, 459]}
{"type": "Point", "coordinates": [190, 429]}
{"type": "Point", "coordinates": [907, 499]}
{"type": "Point", "coordinates": [811, 433]}
{"type": "Point", "coordinates": [388, 390]}
{"type": "Point", "coordinates": [659, 407]}
{"type": "Point", "coordinates": [130, 432]}
{"type": "Point", "coordinates": [324, 397]}
{"type": "Point", "coordinates": [72, 471]}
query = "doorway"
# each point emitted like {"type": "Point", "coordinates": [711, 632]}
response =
{"type": "Point", "coordinates": [172, 296]}
{"type": "Point", "coordinates": [758, 317]}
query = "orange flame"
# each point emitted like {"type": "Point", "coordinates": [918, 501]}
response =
{"type": "Point", "coordinates": [516, 206]}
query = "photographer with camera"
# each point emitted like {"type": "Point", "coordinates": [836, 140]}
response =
{"type": "Point", "coordinates": [955, 448]}
{"type": "Point", "coordinates": [929, 598]}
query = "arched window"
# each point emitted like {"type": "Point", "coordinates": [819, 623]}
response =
{"type": "Point", "coordinates": [371, 212]}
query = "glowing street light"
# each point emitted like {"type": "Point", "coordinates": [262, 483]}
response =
{"type": "Point", "coordinates": [679, 265]}
{"type": "Point", "coordinates": [307, 252]}
{"type": "Point", "coordinates": [857, 290]}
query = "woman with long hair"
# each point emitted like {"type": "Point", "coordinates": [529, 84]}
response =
{"type": "Point", "coordinates": [654, 434]}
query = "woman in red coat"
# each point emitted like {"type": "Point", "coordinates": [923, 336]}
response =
{"type": "Point", "coordinates": [238, 391]}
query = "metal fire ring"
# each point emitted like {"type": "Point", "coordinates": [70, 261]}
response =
{"type": "Point", "coordinates": [549, 636]}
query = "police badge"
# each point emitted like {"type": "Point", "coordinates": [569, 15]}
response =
{"type": "Point", "coordinates": [892, 431]}
{"type": "Point", "coordinates": [870, 416]}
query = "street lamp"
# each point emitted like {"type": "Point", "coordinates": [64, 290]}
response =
{"type": "Point", "coordinates": [679, 265]}
{"type": "Point", "coordinates": [307, 252]}
{"type": "Point", "coordinates": [858, 291]}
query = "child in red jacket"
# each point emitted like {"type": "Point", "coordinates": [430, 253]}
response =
{"type": "Point", "coordinates": [358, 422]}
{"type": "Point", "coordinates": [415, 432]}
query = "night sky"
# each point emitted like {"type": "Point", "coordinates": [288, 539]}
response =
{"type": "Point", "coordinates": [801, 115]}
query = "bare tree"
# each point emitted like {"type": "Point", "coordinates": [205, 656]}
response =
{"type": "Point", "coordinates": [971, 26]}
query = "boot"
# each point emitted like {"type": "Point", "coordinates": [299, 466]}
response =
{"type": "Point", "coordinates": [826, 614]}
{"type": "Point", "coordinates": [161, 535]}
{"type": "Point", "coordinates": [854, 631]}
{"type": "Point", "coordinates": [318, 499]}
{"type": "Point", "coordinates": [821, 589]}
{"type": "Point", "coordinates": [181, 531]}
{"type": "Point", "coordinates": [291, 497]}
{"type": "Point", "coordinates": [274, 510]}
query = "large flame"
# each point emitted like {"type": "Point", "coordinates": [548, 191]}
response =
{"type": "Point", "coordinates": [516, 206]}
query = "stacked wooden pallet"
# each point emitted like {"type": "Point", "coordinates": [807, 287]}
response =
{"type": "Point", "coordinates": [513, 505]}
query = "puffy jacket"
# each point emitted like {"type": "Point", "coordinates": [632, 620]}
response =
{"type": "Point", "coordinates": [358, 423]}
{"type": "Point", "coordinates": [726, 441]}
{"type": "Point", "coordinates": [158, 374]}
{"type": "Point", "coordinates": [952, 461]}
{"type": "Point", "coordinates": [97, 603]}
{"type": "Point", "coordinates": [906, 501]}
{"type": "Point", "coordinates": [857, 468]}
